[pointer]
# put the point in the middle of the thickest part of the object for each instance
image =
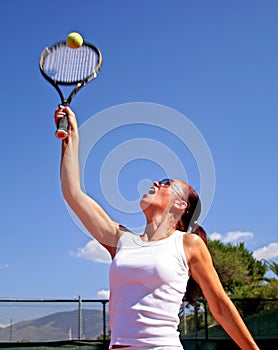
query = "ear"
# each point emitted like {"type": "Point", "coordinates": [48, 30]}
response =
{"type": "Point", "coordinates": [180, 205]}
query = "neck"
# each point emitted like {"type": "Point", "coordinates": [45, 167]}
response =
{"type": "Point", "coordinates": [161, 223]}
{"type": "Point", "coordinates": [158, 229]}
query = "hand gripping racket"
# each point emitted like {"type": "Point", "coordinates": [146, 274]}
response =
{"type": "Point", "coordinates": [61, 66]}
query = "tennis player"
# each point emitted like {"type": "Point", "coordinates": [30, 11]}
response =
{"type": "Point", "coordinates": [150, 273]}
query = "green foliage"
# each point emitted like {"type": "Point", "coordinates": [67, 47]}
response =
{"type": "Point", "coordinates": [243, 277]}
{"type": "Point", "coordinates": [240, 273]}
{"type": "Point", "coordinates": [244, 280]}
{"type": "Point", "coordinates": [272, 266]}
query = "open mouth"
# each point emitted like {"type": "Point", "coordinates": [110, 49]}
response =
{"type": "Point", "coordinates": [151, 190]}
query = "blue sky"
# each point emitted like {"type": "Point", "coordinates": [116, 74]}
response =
{"type": "Point", "coordinates": [192, 75]}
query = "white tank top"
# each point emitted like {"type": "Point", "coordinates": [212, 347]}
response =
{"type": "Point", "coordinates": [147, 283]}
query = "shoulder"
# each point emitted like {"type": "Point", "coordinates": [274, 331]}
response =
{"type": "Point", "coordinates": [194, 247]}
{"type": "Point", "coordinates": [192, 240]}
{"type": "Point", "coordinates": [120, 232]}
{"type": "Point", "coordinates": [125, 237]}
{"type": "Point", "coordinates": [123, 230]}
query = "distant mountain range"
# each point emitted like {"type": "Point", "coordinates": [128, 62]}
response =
{"type": "Point", "coordinates": [57, 326]}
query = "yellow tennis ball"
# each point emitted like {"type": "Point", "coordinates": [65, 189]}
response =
{"type": "Point", "coordinates": [74, 40]}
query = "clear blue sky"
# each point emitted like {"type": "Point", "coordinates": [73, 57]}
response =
{"type": "Point", "coordinates": [213, 62]}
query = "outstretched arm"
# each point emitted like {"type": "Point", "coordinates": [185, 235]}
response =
{"type": "Point", "coordinates": [98, 223]}
{"type": "Point", "coordinates": [220, 305]}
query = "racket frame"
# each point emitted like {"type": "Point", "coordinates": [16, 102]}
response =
{"type": "Point", "coordinates": [62, 128]}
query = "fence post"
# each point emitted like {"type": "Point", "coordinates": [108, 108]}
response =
{"type": "Point", "coordinates": [206, 317]}
{"type": "Point", "coordinates": [184, 318]}
{"type": "Point", "coordinates": [11, 330]}
{"type": "Point", "coordinates": [196, 320]}
{"type": "Point", "coordinates": [79, 318]}
{"type": "Point", "coordinates": [104, 319]}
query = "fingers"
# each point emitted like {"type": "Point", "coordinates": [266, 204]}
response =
{"type": "Point", "coordinates": [59, 113]}
{"type": "Point", "coordinates": [63, 111]}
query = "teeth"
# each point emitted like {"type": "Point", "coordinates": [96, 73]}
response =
{"type": "Point", "coordinates": [151, 190]}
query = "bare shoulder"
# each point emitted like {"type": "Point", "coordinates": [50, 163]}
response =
{"type": "Point", "coordinates": [112, 248]}
{"type": "Point", "coordinates": [192, 241]}
{"type": "Point", "coordinates": [194, 247]}
{"type": "Point", "coordinates": [191, 238]}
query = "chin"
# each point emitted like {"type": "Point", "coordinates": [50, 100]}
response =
{"type": "Point", "coordinates": [146, 201]}
{"type": "Point", "coordinates": [143, 203]}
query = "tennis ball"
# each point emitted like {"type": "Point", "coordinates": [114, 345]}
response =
{"type": "Point", "coordinates": [74, 40]}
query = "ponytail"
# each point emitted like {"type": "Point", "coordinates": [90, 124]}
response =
{"type": "Point", "coordinates": [188, 223]}
{"type": "Point", "coordinates": [193, 291]}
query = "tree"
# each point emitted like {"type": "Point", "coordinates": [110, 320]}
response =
{"type": "Point", "coordinates": [272, 266]}
{"type": "Point", "coordinates": [270, 288]}
{"type": "Point", "coordinates": [244, 280]}
{"type": "Point", "coordinates": [243, 277]}
{"type": "Point", "coordinates": [240, 273]}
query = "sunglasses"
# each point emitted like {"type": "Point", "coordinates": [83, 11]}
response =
{"type": "Point", "coordinates": [169, 183]}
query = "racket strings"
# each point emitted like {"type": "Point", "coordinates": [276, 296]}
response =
{"type": "Point", "coordinates": [65, 65]}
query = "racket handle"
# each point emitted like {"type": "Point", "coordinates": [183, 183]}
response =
{"type": "Point", "coordinates": [62, 129]}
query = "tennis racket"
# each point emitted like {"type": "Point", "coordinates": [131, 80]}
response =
{"type": "Point", "coordinates": [61, 66]}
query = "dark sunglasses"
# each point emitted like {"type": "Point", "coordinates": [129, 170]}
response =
{"type": "Point", "coordinates": [170, 183]}
{"type": "Point", "coordinates": [165, 182]}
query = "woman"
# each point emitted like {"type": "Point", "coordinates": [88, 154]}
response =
{"type": "Point", "coordinates": [150, 273]}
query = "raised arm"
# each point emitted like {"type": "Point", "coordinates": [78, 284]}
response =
{"type": "Point", "coordinates": [98, 223]}
{"type": "Point", "coordinates": [220, 305]}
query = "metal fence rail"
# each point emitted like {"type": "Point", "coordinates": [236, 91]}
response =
{"type": "Point", "coordinates": [48, 320]}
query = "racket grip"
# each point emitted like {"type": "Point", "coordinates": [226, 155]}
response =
{"type": "Point", "coordinates": [62, 129]}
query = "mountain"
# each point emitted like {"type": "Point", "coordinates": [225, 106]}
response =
{"type": "Point", "coordinates": [57, 326]}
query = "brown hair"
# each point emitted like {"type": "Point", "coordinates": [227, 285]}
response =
{"type": "Point", "coordinates": [189, 221]}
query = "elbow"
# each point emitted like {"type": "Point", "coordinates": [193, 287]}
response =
{"type": "Point", "coordinates": [71, 195]}
{"type": "Point", "coordinates": [217, 312]}
{"type": "Point", "coordinates": [220, 308]}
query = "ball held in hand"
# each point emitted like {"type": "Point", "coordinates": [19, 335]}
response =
{"type": "Point", "coordinates": [74, 40]}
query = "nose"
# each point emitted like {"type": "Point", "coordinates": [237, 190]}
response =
{"type": "Point", "coordinates": [156, 184]}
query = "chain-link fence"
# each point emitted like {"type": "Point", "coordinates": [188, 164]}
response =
{"type": "Point", "coordinates": [260, 316]}
{"type": "Point", "coordinates": [53, 320]}
{"type": "Point", "coordinates": [50, 320]}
